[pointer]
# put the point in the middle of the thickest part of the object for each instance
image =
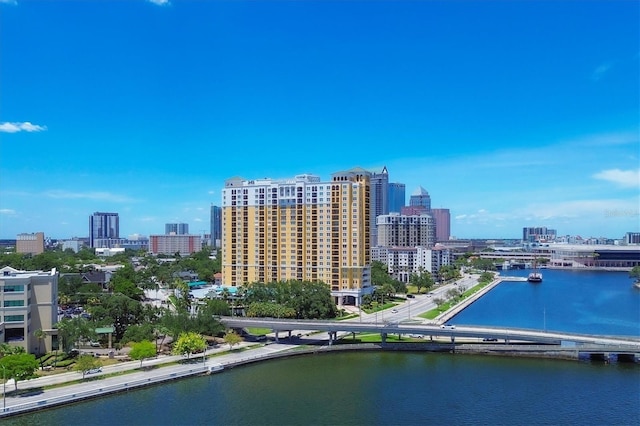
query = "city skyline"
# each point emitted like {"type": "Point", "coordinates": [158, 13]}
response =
{"type": "Point", "coordinates": [510, 114]}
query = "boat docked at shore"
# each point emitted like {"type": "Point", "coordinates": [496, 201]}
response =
{"type": "Point", "coordinates": [535, 276]}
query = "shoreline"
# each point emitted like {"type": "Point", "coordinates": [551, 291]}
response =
{"type": "Point", "coordinates": [72, 393]}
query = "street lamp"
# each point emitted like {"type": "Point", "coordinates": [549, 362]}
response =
{"type": "Point", "coordinates": [4, 388]}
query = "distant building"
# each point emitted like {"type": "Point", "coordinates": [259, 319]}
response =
{"type": "Point", "coordinates": [30, 243]}
{"type": "Point", "coordinates": [379, 194]}
{"type": "Point", "coordinates": [420, 198]}
{"type": "Point", "coordinates": [397, 197]}
{"type": "Point", "coordinates": [216, 227]}
{"type": "Point", "coordinates": [396, 230]}
{"type": "Point", "coordinates": [29, 301]}
{"type": "Point", "coordinates": [73, 244]}
{"type": "Point", "coordinates": [172, 244]}
{"type": "Point", "coordinates": [176, 229]}
{"type": "Point", "coordinates": [442, 218]}
{"type": "Point", "coordinates": [300, 228]}
{"type": "Point", "coordinates": [538, 234]}
{"type": "Point", "coordinates": [103, 227]}
{"type": "Point", "coordinates": [631, 238]}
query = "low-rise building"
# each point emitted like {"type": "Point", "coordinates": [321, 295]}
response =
{"type": "Point", "coordinates": [29, 301]}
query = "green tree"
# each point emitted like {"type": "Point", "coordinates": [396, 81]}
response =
{"type": "Point", "coordinates": [19, 366]}
{"type": "Point", "coordinates": [482, 264]}
{"type": "Point", "coordinates": [72, 331]}
{"type": "Point", "coordinates": [422, 280]}
{"type": "Point", "coordinates": [189, 343]}
{"type": "Point", "coordinates": [635, 273]}
{"type": "Point", "coordinates": [138, 333]}
{"type": "Point", "coordinates": [7, 349]}
{"type": "Point", "coordinates": [142, 350]}
{"type": "Point", "coordinates": [232, 338]}
{"type": "Point", "coordinates": [119, 311]}
{"type": "Point", "coordinates": [84, 363]}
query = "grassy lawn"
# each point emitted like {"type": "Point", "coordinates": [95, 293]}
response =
{"type": "Point", "coordinates": [375, 338]}
{"type": "Point", "coordinates": [259, 331]}
{"type": "Point", "coordinates": [433, 313]}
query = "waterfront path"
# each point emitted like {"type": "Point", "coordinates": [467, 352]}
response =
{"type": "Point", "coordinates": [68, 387]}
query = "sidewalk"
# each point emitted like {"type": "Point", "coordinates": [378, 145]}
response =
{"type": "Point", "coordinates": [39, 397]}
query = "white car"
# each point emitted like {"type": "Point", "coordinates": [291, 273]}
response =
{"type": "Point", "coordinates": [450, 327]}
{"type": "Point", "coordinates": [394, 311]}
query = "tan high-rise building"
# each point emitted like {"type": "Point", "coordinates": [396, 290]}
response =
{"type": "Point", "coordinates": [299, 229]}
{"type": "Point", "coordinates": [30, 243]}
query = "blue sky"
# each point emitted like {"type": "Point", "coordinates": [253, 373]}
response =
{"type": "Point", "coordinates": [511, 114]}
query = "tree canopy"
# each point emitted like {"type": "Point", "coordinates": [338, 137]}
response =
{"type": "Point", "coordinates": [142, 350]}
{"type": "Point", "coordinates": [19, 366]}
{"type": "Point", "coordinates": [290, 299]}
{"type": "Point", "coordinates": [189, 343]}
{"type": "Point", "coordinates": [85, 363]}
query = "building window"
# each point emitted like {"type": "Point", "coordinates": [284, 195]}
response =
{"type": "Point", "coordinates": [13, 318]}
{"type": "Point", "coordinates": [10, 303]}
{"type": "Point", "coordinates": [12, 288]}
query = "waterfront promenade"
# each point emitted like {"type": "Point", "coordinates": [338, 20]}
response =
{"type": "Point", "coordinates": [64, 388]}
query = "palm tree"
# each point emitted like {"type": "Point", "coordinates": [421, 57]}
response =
{"type": "Point", "coordinates": [40, 335]}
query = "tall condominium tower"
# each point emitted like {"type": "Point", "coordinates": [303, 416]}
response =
{"type": "Point", "coordinates": [420, 198]}
{"type": "Point", "coordinates": [300, 228]}
{"type": "Point", "coordinates": [176, 229]}
{"type": "Point", "coordinates": [397, 197]}
{"type": "Point", "coordinates": [216, 226]}
{"type": "Point", "coordinates": [103, 226]}
{"type": "Point", "coordinates": [379, 200]}
{"type": "Point", "coordinates": [442, 218]}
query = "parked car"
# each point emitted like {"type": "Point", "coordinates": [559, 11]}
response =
{"type": "Point", "coordinates": [94, 370]}
{"type": "Point", "coordinates": [410, 296]}
{"type": "Point", "coordinates": [394, 311]}
{"type": "Point", "coordinates": [450, 327]}
{"type": "Point", "coordinates": [94, 344]}
{"type": "Point", "coordinates": [490, 339]}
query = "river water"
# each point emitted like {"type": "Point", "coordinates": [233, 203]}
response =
{"type": "Point", "coordinates": [413, 388]}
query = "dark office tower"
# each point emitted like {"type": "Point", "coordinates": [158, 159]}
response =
{"type": "Point", "coordinates": [397, 197]}
{"type": "Point", "coordinates": [420, 198]}
{"type": "Point", "coordinates": [379, 201]}
{"type": "Point", "coordinates": [216, 226]}
{"type": "Point", "coordinates": [176, 229]}
{"type": "Point", "coordinates": [103, 226]}
{"type": "Point", "coordinates": [442, 218]}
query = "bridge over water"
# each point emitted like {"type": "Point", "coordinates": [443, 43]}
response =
{"type": "Point", "coordinates": [629, 345]}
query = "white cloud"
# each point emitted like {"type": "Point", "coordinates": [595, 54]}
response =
{"type": "Point", "coordinates": [92, 195]}
{"type": "Point", "coordinates": [600, 71]}
{"type": "Point", "coordinates": [7, 211]}
{"type": "Point", "coordinates": [12, 2]}
{"type": "Point", "coordinates": [624, 178]}
{"type": "Point", "coordinates": [160, 2]}
{"type": "Point", "coordinates": [14, 127]}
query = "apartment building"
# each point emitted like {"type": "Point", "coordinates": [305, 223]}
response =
{"type": "Point", "coordinates": [29, 301]}
{"type": "Point", "coordinates": [301, 229]}
{"type": "Point", "coordinates": [172, 244]}
{"type": "Point", "coordinates": [402, 262]}
{"type": "Point", "coordinates": [406, 231]}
